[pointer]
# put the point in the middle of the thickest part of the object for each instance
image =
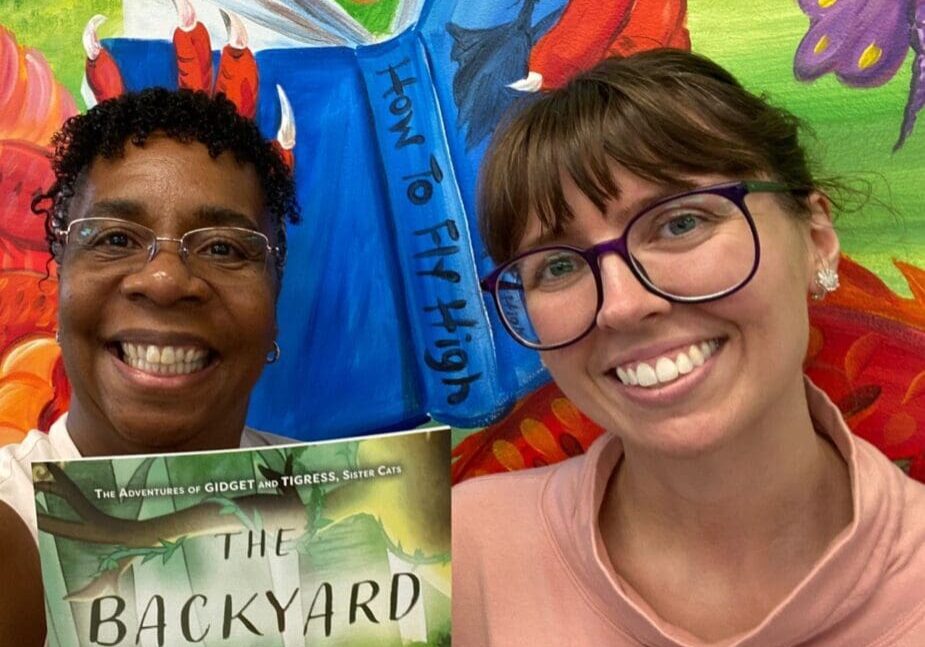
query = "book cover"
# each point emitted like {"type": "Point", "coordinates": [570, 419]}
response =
{"type": "Point", "coordinates": [339, 543]}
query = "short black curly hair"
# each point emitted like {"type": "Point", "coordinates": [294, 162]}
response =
{"type": "Point", "coordinates": [182, 115]}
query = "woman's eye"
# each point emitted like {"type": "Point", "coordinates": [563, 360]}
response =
{"type": "Point", "coordinates": [557, 271]}
{"type": "Point", "coordinates": [111, 239]}
{"type": "Point", "coordinates": [222, 250]}
{"type": "Point", "coordinates": [559, 267]}
{"type": "Point", "coordinates": [680, 225]}
{"type": "Point", "coordinates": [116, 239]}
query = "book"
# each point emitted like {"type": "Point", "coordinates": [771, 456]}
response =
{"type": "Point", "coordinates": [340, 543]}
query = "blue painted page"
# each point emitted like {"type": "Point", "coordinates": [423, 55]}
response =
{"type": "Point", "coordinates": [382, 324]}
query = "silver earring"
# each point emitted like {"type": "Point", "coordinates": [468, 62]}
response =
{"type": "Point", "coordinates": [826, 282]}
{"type": "Point", "coordinates": [274, 354]}
{"type": "Point", "coordinates": [58, 337]}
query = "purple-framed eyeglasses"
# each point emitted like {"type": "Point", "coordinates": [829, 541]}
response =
{"type": "Point", "coordinates": [693, 247]}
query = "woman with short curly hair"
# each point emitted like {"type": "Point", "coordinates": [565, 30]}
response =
{"type": "Point", "coordinates": [167, 223]}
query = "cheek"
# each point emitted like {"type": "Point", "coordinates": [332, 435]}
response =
{"type": "Point", "coordinates": [571, 371]}
{"type": "Point", "coordinates": [74, 293]}
{"type": "Point", "coordinates": [771, 313]}
{"type": "Point", "coordinates": [254, 318]}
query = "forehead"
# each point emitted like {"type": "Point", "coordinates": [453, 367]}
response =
{"type": "Point", "coordinates": [586, 222]}
{"type": "Point", "coordinates": [167, 184]}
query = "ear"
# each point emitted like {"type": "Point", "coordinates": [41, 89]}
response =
{"type": "Point", "coordinates": [824, 247]}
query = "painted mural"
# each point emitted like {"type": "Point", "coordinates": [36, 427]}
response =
{"type": "Point", "coordinates": [385, 108]}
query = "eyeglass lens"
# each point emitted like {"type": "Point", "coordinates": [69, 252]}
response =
{"type": "Point", "coordinates": [695, 248]}
{"type": "Point", "coordinates": [214, 253]}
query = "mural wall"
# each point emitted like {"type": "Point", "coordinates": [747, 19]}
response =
{"type": "Point", "coordinates": [386, 107]}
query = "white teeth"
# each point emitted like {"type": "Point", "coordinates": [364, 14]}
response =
{"type": "Point", "coordinates": [668, 369]}
{"type": "Point", "coordinates": [645, 375]}
{"type": "Point", "coordinates": [696, 356]}
{"type": "Point", "coordinates": [166, 360]}
{"type": "Point", "coordinates": [706, 349]}
{"type": "Point", "coordinates": [168, 356]}
{"type": "Point", "coordinates": [153, 355]}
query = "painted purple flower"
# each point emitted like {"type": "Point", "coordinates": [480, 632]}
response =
{"type": "Point", "coordinates": [864, 42]}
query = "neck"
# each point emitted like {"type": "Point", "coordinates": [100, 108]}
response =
{"type": "Point", "coordinates": [95, 435]}
{"type": "Point", "coordinates": [753, 483]}
{"type": "Point", "coordinates": [749, 518]}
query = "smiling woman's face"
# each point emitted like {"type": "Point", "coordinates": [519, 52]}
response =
{"type": "Point", "coordinates": [160, 359]}
{"type": "Point", "coordinates": [746, 370]}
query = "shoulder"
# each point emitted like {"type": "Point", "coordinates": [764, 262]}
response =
{"type": "Point", "coordinates": [903, 499]}
{"type": "Point", "coordinates": [16, 473]}
{"type": "Point", "coordinates": [515, 488]}
{"type": "Point", "coordinates": [893, 487]}
{"type": "Point", "coordinates": [511, 507]}
{"type": "Point", "coordinates": [912, 530]}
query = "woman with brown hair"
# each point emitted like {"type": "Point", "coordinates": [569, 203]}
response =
{"type": "Point", "coordinates": [658, 230]}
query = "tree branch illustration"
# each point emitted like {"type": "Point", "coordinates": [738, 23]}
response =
{"type": "Point", "coordinates": [139, 539]}
{"type": "Point", "coordinates": [283, 509]}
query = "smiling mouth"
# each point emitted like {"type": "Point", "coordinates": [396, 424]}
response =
{"type": "Point", "coordinates": [668, 368]}
{"type": "Point", "coordinates": [163, 360]}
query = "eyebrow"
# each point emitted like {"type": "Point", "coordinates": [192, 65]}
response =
{"type": "Point", "coordinates": [205, 216]}
{"type": "Point", "coordinates": [214, 216]}
{"type": "Point", "coordinates": [115, 209]}
{"type": "Point", "coordinates": [551, 237]}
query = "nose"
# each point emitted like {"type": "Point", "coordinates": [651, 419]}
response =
{"type": "Point", "coordinates": [626, 301]}
{"type": "Point", "coordinates": [165, 278]}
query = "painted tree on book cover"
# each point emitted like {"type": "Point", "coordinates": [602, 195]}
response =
{"type": "Point", "coordinates": [380, 316]}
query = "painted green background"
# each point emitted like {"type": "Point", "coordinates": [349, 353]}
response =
{"type": "Point", "coordinates": [55, 27]}
{"type": "Point", "coordinates": [856, 128]}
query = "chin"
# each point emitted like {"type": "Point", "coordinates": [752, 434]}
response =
{"type": "Point", "coordinates": [159, 433]}
{"type": "Point", "coordinates": [686, 429]}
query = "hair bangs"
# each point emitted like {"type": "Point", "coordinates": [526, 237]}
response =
{"type": "Point", "coordinates": [665, 116]}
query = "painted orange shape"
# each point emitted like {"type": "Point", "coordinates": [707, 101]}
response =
{"type": "Point", "coordinates": [237, 75]}
{"type": "Point", "coordinates": [508, 455]}
{"type": "Point", "coordinates": [194, 58]}
{"type": "Point", "coordinates": [578, 40]}
{"type": "Point", "coordinates": [33, 105]}
{"type": "Point", "coordinates": [25, 170]}
{"type": "Point", "coordinates": [541, 439]}
{"type": "Point", "coordinates": [652, 24]}
{"type": "Point", "coordinates": [102, 72]}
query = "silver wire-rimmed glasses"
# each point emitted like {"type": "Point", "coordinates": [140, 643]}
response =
{"type": "Point", "coordinates": [693, 247]}
{"type": "Point", "coordinates": [215, 254]}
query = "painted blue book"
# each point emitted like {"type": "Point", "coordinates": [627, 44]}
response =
{"type": "Point", "coordinates": [382, 322]}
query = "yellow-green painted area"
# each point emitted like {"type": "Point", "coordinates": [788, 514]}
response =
{"type": "Point", "coordinates": [375, 15]}
{"type": "Point", "coordinates": [55, 27]}
{"type": "Point", "coordinates": [856, 128]}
